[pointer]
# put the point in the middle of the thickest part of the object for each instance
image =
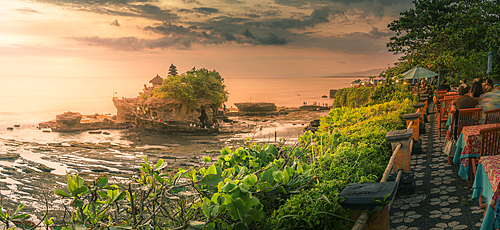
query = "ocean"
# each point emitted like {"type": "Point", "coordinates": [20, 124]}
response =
{"type": "Point", "coordinates": [27, 100]}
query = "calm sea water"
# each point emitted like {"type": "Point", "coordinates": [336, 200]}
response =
{"type": "Point", "coordinates": [28, 101]}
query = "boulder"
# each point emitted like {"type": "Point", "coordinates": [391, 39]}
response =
{"type": "Point", "coordinates": [69, 118]}
{"type": "Point", "coordinates": [255, 107]}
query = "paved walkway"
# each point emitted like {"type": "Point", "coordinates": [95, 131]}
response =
{"type": "Point", "coordinates": [441, 199]}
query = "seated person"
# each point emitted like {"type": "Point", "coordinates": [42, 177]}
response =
{"type": "Point", "coordinates": [444, 86]}
{"type": "Point", "coordinates": [464, 101]}
{"type": "Point", "coordinates": [488, 87]}
{"type": "Point", "coordinates": [477, 89]}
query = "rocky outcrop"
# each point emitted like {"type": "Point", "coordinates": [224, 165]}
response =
{"type": "Point", "coordinates": [164, 115]}
{"type": "Point", "coordinates": [69, 118]}
{"type": "Point", "coordinates": [125, 111]}
{"type": "Point", "coordinates": [255, 107]}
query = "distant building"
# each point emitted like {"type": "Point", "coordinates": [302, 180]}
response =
{"type": "Point", "coordinates": [156, 81]}
{"type": "Point", "coordinates": [172, 70]}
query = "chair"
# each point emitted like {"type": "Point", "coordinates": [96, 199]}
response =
{"type": "Point", "coordinates": [492, 116]}
{"type": "Point", "coordinates": [444, 105]}
{"type": "Point", "coordinates": [438, 95]}
{"type": "Point", "coordinates": [452, 96]}
{"type": "Point", "coordinates": [466, 117]}
{"type": "Point", "coordinates": [490, 146]}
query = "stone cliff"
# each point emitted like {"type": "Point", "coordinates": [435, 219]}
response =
{"type": "Point", "coordinates": [167, 111]}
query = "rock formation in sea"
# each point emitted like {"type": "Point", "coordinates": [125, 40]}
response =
{"type": "Point", "coordinates": [69, 118]}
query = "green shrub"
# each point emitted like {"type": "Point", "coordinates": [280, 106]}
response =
{"type": "Point", "coordinates": [193, 85]}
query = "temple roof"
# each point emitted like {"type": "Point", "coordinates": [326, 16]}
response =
{"type": "Point", "coordinates": [156, 80]}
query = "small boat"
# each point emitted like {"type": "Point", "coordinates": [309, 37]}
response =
{"type": "Point", "coordinates": [17, 126]}
{"type": "Point", "coordinates": [46, 130]}
{"type": "Point", "coordinates": [10, 128]}
{"type": "Point", "coordinates": [95, 132]}
{"type": "Point", "coordinates": [106, 133]}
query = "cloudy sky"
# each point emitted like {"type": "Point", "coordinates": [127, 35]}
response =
{"type": "Point", "coordinates": [238, 38]}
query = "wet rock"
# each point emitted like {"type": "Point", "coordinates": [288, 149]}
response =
{"type": "Point", "coordinates": [7, 156]}
{"type": "Point", "coordinates": [28, 170]}
{"type": "Point", "coordinates": [99, 169]}
{"type": "Point", "coordinates": [255, 107]}
{"type": "Point", "coordinates": [45, 168]}
{"type": "Point", "coordinates": [69, 118]}
{"type": "Point", "coordinates": [190, 163]}
{"type": "Point", "coordinates": [174, 157]}
{"type": "Point", "coordinates": [106, 133]}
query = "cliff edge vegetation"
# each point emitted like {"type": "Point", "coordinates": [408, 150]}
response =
{"type": "Point", "coordinates": [193, 85]}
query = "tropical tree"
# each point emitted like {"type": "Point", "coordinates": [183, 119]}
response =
{"type": "Point", "coordinates": [449, 35]}
{"type": "Point", "coordinates": [193, 85]}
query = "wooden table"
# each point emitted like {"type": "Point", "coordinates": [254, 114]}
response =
{"type": "Point", "coordinates": [468, 146]}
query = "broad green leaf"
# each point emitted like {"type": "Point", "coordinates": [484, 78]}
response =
{"type": "Point", "coordinates": [78, 180]}
{"type": "Point", "coordinates": [102, 181]}
{"type": "Point", "coordinates": [299, 168]}
{"type": "Point", "coordinates": [263, 156]}
{"type": "Point", "coordinates": [215, 210]}
{"type": "Point", "coordinates": [60, 192]}
{"type": "Point", "coordinates": [207, 159]}
{"type": "Point", "coordinates": [228, 187]}
{"type": "Point", "coordinates": [278, 176]}
{"type": "Point", "coordinates": [71, 183]}
{"type": "Point", "coordinates": [211, 170]}
{"type": "Point", "coordinates": [158, 164]}
{"type": "Point", "coordinates": [22, 216]}
{"type": "Point", "coordinates": [19, 207]}
{"type": "Point", "coordinates": [120, 196]}
{"type": "Point", "coordinates": [197, 224]}
{"type": "Point", "coordinates": [102, 194]}
{"type": "Point", "coordinates": [211, 180]}
{"type": "Point", "coordinates": [162, 166]}
{"type": "Point", "coordinates": [250, 179]}
{"type": "Point", "coordinates": [267, 176]}
{"type": "Point", "coordinates": [79, 191]}
{"type": "Point", "coordinates": [253, 201]}
{"type": "Point", "coordinates": [240, 207]}
{"type": "Point", "coordinates": [272, 149]}
{"type": "Point", "coordinates": [2, 215]}
{"type": "Point", "coordinates": [285, 176]}
{"type": "Point", "coordinates": [244, 188]}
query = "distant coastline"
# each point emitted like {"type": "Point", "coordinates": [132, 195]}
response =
{"type": "Point", "coordinates": [346, 76]}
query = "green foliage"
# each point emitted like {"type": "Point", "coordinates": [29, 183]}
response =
{"type": "Point", "coordinates": [193, 85]}
{"type": "Point", "coordinates": [8, 218]}
{"type": "Point", "coordinates": [450, 35]}
{"type": "Point", "coordinates": [252, 187]}
{"type": "Point", "coordinates": [391, 91]}
{"type": "Point", "coordinates": [352, 97]}
{"type": "Point", "coordinates": [349, 147]}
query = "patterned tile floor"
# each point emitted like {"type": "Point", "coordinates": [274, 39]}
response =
{"type": "Point", "coordinates": [441, 199]}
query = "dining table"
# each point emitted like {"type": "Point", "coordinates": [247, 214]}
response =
{"type": "Point", "coordinates": [487, 185]}
{"type": "Point", "coordinates": [468, 146]}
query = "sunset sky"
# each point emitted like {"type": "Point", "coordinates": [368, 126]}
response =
{"type": "Point", "coordinates": [238, 38]}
